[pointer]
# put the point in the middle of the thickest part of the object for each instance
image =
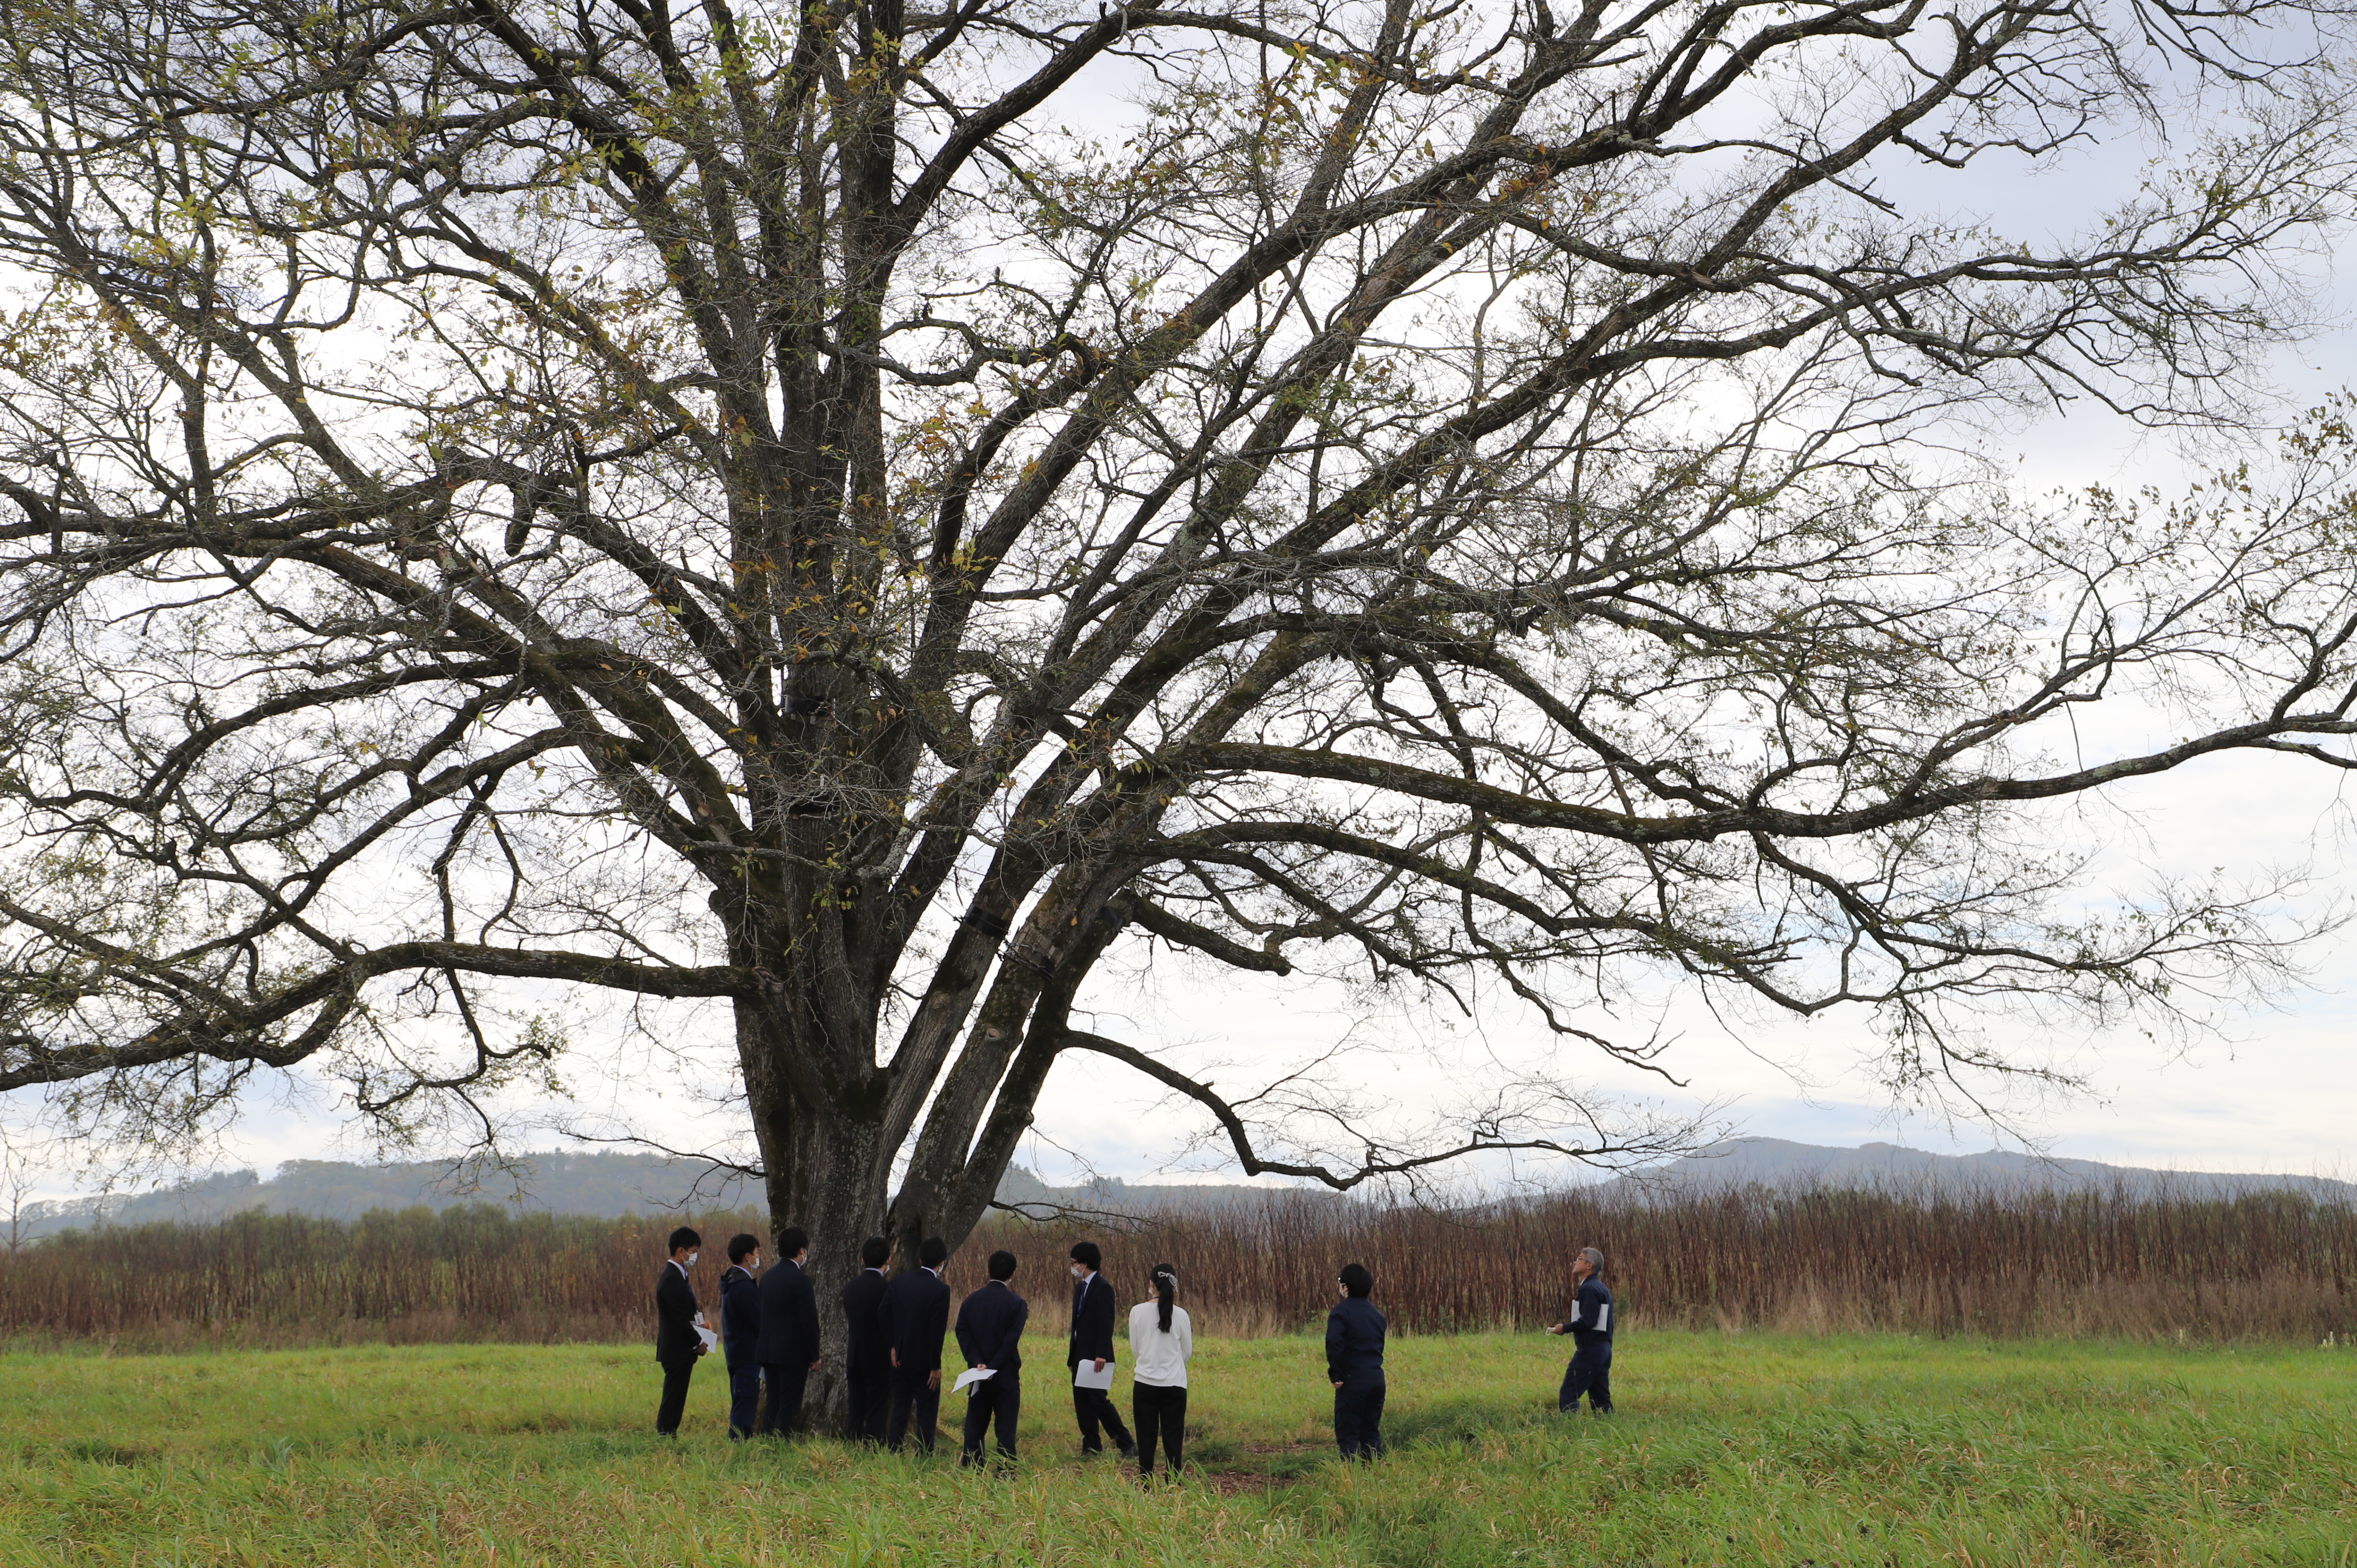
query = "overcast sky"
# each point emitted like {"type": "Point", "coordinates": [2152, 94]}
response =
{"type": "Point", "coordinates": [2273, 1092]}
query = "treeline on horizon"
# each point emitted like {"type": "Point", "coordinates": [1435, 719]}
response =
{"type": "Point", "coordinates": [2274, 1266]}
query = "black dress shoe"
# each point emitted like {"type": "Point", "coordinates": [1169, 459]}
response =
{"type": "Point", "coordinates": [1129, 1450]}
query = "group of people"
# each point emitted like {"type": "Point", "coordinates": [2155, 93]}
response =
{"type": "Point", "coordinates": [895, 1327]}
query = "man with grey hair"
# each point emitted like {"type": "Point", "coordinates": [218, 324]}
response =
{"type": "Point", "coordinates": [1589, 1323]}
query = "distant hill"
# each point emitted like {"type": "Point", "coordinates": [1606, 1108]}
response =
{"type": "Point", "coordinates": [1776, 1163]}
{"type": "Point", "coordinates": [601, 1184]}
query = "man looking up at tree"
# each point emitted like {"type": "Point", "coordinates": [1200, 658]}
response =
{"type": "Point", "coordinates": [1589, 1323]}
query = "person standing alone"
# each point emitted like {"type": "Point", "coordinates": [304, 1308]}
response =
{"type": "Point", "coordinates": [1093, 1309]}
{"type": "Point", "coordinates": [1354, 1364]}
{"type": "Point", "coordinates": [1589, 1323]}
{"type": "Point", "coordinates": [1160, 1340]}
{"type": "Point", "coordinates": [866, 1358]}
{"type": "Point", "coordinates": [740, 1333]}
{"type": "Point", "coordinates": [677, 1344]}
{"type": "Point", "coordinates": [790, 1345]}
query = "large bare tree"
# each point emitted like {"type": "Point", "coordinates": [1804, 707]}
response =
{"type": "Point", "coordinates": [862, 514]}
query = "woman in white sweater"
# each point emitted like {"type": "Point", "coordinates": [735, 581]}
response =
{"type": "Point", "coordinates": [1160, 1340]}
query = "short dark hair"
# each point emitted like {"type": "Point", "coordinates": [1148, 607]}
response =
{"type": "Point", "coordinates": [875, 1252]}
{"type": "Point", "coordinates": [1356, 1279]}
{"type": "Point", "coordinates": [934, 1252]}
{"type": "Point", "coordinates": [743, 1247]}
{"type": "Point", "coordinates": [1002, 1265]}
{"type": "Point", "coordinates": [1085, 1252]}
{"type": "Point", "coordinates": [683, 1237]}
{"type": "Point", "coordinates": [792, 1240]}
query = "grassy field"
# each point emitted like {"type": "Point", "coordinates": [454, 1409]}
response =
{"type": "Point", "coordinates": [1742, 1450]}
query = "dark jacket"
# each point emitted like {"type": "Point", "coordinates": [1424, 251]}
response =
{"type": "Point", "coordinates": [741, 1314]}
{"type": "Point", "coordinates": [1092, 1308]}
{"type": "Point", "coordinates": [675, 1336]}
{"type": "Point", "coordinates": [867, 1351]}
{"type": "Point", "coordinates": [990, 1327]}
{"type": "Point", "coordinates": [789, 1317]}
{"type": "Point", "coordinates": [1354, 1339]}
{"type": "Point", "coordinates": [1591, 1317]}
{"type": "Point", "coordinates": [914, 1317]}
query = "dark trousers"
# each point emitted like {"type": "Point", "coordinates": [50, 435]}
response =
{"type": "Point", "coordinates": [744, 1396]}
{"type": "Point", "coordinates": [1359, 1416]}
{"type": "Point", "coordinates": [997, 1398]}
{"type": "Point", "coordinates": [784, 1411]}
{"type": "Point", "coordinates": [1161, 1412]}
{"type": "Point", "coordinates": [910, 1397]}
{"type": "Point", "coordinates": [1590, 1373]}
{"type": "Point", "coordinates": [870, 1393]}
{"type": "Point", "coordinates": [675, 1394]}
{"type": "Point", "coordinates": [1094, 1406]}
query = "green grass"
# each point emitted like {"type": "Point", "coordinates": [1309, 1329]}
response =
{"type": "Point", "coordinates": [1728, 1450]}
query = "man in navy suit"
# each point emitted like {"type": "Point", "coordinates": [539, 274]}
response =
{"type": "Point", "coordinates": [789, 1347]}
{"type": "Point", "coordinates": [914, 1317]}
{"type": "Point", "coordinates": [740, 1332]}
{"type": "Point", "coordinates": [866, 1358]}
{"type": "Point", "coordinates": [1092, 1311]}
{"type": "Point", "coordinates": [990, 1334]}
{"type": "Point", "coordinates": [677, 1344]}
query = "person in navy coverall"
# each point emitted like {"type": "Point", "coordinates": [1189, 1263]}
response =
{"type": "Point", "coordinates": [1354, 1364]}
{"type": "Point", "coordinates": [990, 1334]}
{"type": "Point", "coordinates": [790, 1345]}
{"type": "Point", "coordinates": [740, 1333]}
{"type": "Point", "coordinates": [1589, 1323]}
{"type": "Point", "coordinates": [915, 1316]}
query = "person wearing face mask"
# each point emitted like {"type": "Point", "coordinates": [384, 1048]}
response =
{"type": "Point", "coordinates": [677, 1343]}
{"type": "Point", "coordinates": [1354, 1364]}
{"type": "Point", "coordinates": [1160, 1340]}
{"type": "Point", "coordinates": [1091, 1343]}
{"type": "Point", "coordinates": [740, 1333]}
{"type": "Point", "coordinates": [789, 1342]}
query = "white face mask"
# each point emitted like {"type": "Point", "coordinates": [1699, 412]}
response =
{"type": "Point", "coordinates": [692, 1257]}
{"type": "Point", "coordinates": [1079, 1272]}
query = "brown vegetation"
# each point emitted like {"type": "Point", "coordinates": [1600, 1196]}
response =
{"type": "Point", "coordinates": [2280, 1267]}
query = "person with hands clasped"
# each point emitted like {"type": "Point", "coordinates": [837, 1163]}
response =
{"type": "Point", "coordinates": [789, 1342]}
{"type": "Point", "coordinates": [990, 1336]}
{"type": "Point", "coordinates": [1589, 1323]}
{"type": "Point", "coordinates": [1093, 1309]}
{"type": "Point", "coordinates": [915, 1316]}
{"type": "Point", "coordinates": [1354, 1364]}
{"type": "Point", "coordinates": [1160, 1340]}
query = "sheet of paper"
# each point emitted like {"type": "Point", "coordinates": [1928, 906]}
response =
{"type": "Point", "coordinates": [972, 1376]}
{"type": "Point", "coordinates": [711, 1340]}
{"type": "Point", "coordinates": [1086, 1375]}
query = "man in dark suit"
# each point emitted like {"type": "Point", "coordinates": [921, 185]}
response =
{"type": "Point", "coordinates": [790, 1347]}
{"type": "Point", "coordinates": [867, 1359]}
{"type": "Point", "coordinates": [740, 1332]}
{"type": "Point", "coordinates": [990, 1334]}
{"type": "Point", "coordinates": [677, 1344]}
{"type": "Point", "coordinates": [914, 1317]}
{"type": "Point", "coordinates": [1092, 1310]}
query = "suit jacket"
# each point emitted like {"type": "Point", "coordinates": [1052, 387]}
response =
{"type": "Point", "coordinates": [1093, 1309]}
{"type": "Point", "coordinates": [741, 1314]}
{"type": "Point", "coordinates": [675, 1336]}
{"type": "Point", "coordinates": [789, 1317]}
{"type": "Point", "coordinates": [914, 1317]}
{"type": "Point", "coordinates": [990, 1327]}
{"type": "Point", "coordinates": [862, 1299]}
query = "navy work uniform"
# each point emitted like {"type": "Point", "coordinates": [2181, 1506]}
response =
{"type": "Point", "coordinates": [1354, 1358]}
{"type": "Point", "coordinates": [990, 1334]}
{"type": "Point", "coordinates": [740, 1334]}
{"type": "Point", "coordinates": [1589, 1323]}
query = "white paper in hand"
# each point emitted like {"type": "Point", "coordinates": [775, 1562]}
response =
{"type": "Point", "coordinates": [1086, 1375]}
{"type": "Point", "coordinates": [972, 1376]}
{"type": "Point", "coordinates": [711, 1340]}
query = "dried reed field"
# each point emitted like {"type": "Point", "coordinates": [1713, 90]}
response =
{"type": "Point", "coordinates": [2261, 1268]}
